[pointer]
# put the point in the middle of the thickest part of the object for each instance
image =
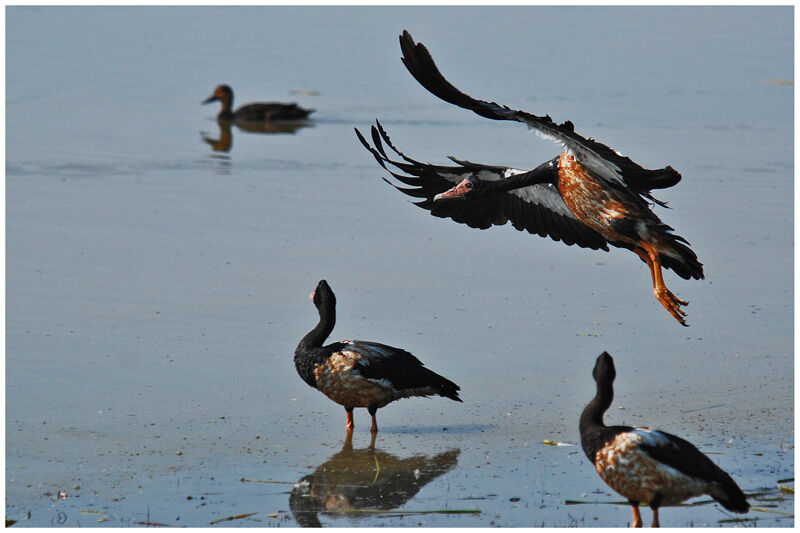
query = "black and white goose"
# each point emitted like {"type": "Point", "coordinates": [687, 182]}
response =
{"type": "Point", "coordinates": [646, 465]}
{"type": "Point", "coordinates": [589, 195]}
{"type": "Point", "coordinates": [360, 373]}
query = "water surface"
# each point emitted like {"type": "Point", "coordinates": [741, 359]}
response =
{"type": "Point", "coordinates": [156, 287]}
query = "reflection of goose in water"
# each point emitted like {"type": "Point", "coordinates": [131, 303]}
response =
{"type": "Point", "coordinates": [225, 141]}
{"type": "Point", "coordinates": [364, 479]}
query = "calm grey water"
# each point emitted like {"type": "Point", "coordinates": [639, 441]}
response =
{"type": "Point", "coordinates": [156, 288]}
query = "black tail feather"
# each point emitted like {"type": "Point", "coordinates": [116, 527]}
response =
{"type": "Point", "coordinates": [728, 494]}
{"type": "Point", "coordinates": [688, 266]}
{"type": "Point", "coordinates": [444, 386]}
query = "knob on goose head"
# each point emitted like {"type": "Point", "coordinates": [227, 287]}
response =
{"type": "Point", "coordinates": [471, 187]}
{"type": "Point", "coordinates": [604, 371]}
{"type": "Point", "coordinates": [322, 294]}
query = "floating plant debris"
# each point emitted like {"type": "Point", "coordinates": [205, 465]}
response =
{"type": "Point", "coordinates": [736, 520]}
{"type": "Point", "coordinates": [243, 480]}
{"type": "Point", "coordinates": [229, 518]}
{"type": "Point", "coordinates": [405, 513]}
{"type": "Point", "coordinates": [773, 511]}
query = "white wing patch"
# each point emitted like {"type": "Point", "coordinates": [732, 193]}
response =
{"type": "Point", "coordinates": [385, 383]}
{"type": "Point", "coordinates": [588, 158]}
{"type": "Point", "coordinates": [654, 438]}
{"type": "Point", "coordinates": [512, 172]}
{"type": "Point", "coordinates": [368, 350]}
{"type": "Point", "coordinates": [545, 195]}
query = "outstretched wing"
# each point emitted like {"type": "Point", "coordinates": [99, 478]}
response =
{"type": "Point", "coordinates": [537, 208]}
{"type": "Point", "coordinates": [602, 160]}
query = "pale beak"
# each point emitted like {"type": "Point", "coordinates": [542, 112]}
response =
{"type": "Point", "coordinates": [456, 193]}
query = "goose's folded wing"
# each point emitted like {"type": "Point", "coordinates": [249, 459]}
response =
{"type": "Point", "coordinates": [401, 370]}
{"type": "Point", "coordinates": [537, 209]}
{"type": "Point", "coordinates": [679, 454]}
{"type": "Point", "coordinates": [604, 161]}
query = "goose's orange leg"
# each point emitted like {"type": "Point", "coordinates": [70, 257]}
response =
{"type": "Point", "coordinates": [372, 409]}
{"type": "Point", "coordinates": [655, 518]}
{"type": "Point", "coordinates": [637, 518]}
{"type": "Point", "coordinates": [349, 424]}
{"type": "Point", "coordinates": [348, 439]}
{"type": "Point", "coordinates": [649, 254]}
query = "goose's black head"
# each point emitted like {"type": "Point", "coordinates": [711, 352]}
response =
{"type": "Point", "coordinates": [223, 93]}
{"type": "Point", "coordinates": [604, 371]}
{"type": "Point", "coordinates": [323, 295]}
{"type": "Point", "coordinates": [471, 187]}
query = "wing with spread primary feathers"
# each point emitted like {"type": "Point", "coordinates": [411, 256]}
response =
{"type": "Point", "coordinates": [602, 160]}
{"type": "Point", "coordinates": [537, 208]}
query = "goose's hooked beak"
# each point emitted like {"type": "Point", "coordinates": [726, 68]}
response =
{"type": "Point", "coordinates": [456, 193]}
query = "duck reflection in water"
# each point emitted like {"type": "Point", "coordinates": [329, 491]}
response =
{"type": "Point", "coordinates": [366, 478]}
{"type": "Point", "coordinates": [225, 140]}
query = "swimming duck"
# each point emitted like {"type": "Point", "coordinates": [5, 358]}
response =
{"type": "Point", "coordinates": [589, 195]}
{"type": "Point", "coordinates": [258, 112]}
{"type": "Point", "coordinates": [360, 373]}
{"type": "Point", "coordinates": [646, 465]}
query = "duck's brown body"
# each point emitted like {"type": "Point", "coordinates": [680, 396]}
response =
{"type": "Point", "coordinates": [256, 112]}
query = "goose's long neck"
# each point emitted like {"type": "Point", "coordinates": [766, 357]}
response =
{"type": "Point", "coordinates": [544, 173]}
{"type": "Point", "coordinates": [327, 320]}
{"type": "Point", "coordinates": [592, 416]}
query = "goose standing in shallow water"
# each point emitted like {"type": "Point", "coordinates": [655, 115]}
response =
{"type": "Point", "coordinates": [589, 195]}
{"type": "Point", "coordinates": [360, 373]}
{"type": "Point", "coordinates": [646, 465]}
{"type": "Point", "coordinates": [257, 112]}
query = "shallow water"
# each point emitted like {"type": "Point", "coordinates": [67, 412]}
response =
{"type": "Point", "coordinates": [156, 288]}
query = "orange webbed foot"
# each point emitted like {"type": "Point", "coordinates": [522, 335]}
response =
{"type": "Point", "coordinates": [650, 255]}
{"type": "Point", "coordinates": [672, 304]}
